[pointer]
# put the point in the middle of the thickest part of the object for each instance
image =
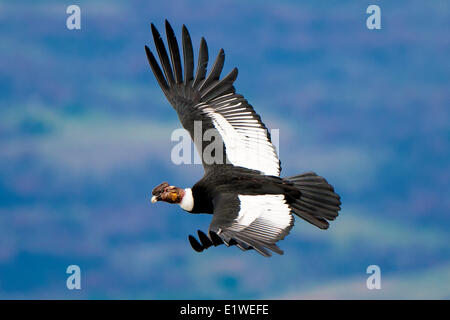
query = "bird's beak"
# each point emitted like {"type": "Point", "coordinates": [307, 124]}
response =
{"type": "Point", "coordinates": [154, 199]}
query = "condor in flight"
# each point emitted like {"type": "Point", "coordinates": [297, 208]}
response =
{"type": "Point", "coordinates": [252, 206]}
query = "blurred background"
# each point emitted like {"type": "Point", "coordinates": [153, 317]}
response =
{"type": "Point", "coordinates": [85, 136]}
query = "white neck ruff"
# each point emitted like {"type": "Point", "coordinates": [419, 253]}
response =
{"type": "Point", "coordinates": [187, 203]}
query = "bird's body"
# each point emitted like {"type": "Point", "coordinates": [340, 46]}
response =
{"type": "Point", "coordinates": [251, 205]}
{"type": "Point", "coordinates": [231, 179]}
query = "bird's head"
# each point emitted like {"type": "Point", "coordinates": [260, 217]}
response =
{"type": "Point", "coordinates": [167, 193]}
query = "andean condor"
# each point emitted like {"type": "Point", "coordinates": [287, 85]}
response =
{"type": "Point", "coordinates": [252, 206]}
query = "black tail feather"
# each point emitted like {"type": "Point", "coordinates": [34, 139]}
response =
{"type": "Point", "coordinates": [318, 201]}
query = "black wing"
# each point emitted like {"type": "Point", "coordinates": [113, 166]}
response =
{"type": "Point", "coordinates": [209, 105]}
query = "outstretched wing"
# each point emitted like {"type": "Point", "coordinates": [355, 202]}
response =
{"type": "Point", "coordinates": [252, 221]}
{"type": "Point", "coordinates": [210, 109]}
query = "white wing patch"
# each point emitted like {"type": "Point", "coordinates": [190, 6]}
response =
{"type": "Point", "coordinates": [245, 137]}
{"type": "Point", "coordinates": [264, 217]}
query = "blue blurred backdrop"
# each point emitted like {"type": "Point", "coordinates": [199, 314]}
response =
{"type": "Point", "coordinates": [85, 136]}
